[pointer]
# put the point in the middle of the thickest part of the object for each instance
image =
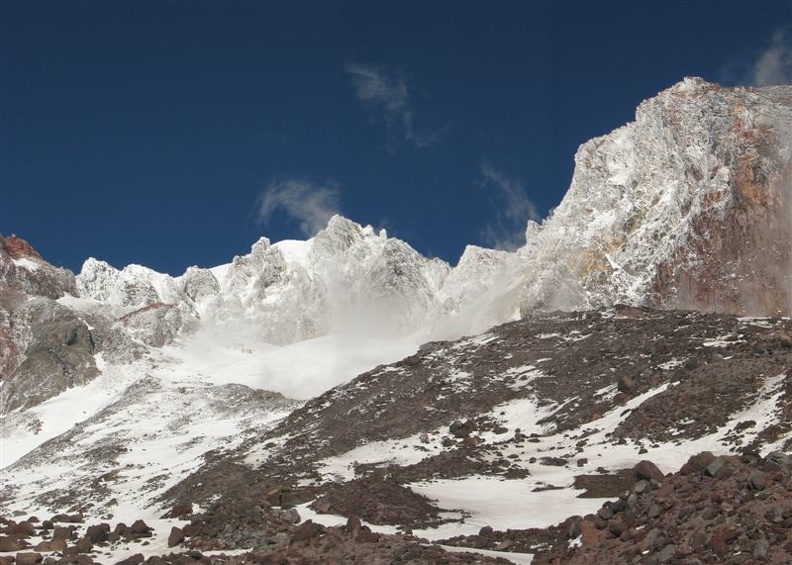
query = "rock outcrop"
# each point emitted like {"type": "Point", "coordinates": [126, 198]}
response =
{"type": "Point", "coordinates": [690, 206]}
{"type": "Point", "coordinates": [45, 347]}
{"type": "Point", "coordinates": [23, 269]}
{"type": "Point", "coordinates": [55, 351]}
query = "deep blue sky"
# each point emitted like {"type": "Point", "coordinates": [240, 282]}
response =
{"type": "Point", "coordinates": [150, 132]}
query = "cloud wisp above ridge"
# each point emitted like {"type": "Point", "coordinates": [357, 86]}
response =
{"type": "Point", "coordinates": [387, 96]}
{"type": "Point", "coordinates": [514, 209]}
{"type": "Point", "coordinates": [310, 203]}
{"type": "Point", "coordinates": [774, 65]}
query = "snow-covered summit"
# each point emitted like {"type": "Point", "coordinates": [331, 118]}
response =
{"type": "Point", "coordinates": [347, 276]}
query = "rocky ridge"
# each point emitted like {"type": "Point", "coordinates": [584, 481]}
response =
{"type": "Point", "coordinates": [346, 276]}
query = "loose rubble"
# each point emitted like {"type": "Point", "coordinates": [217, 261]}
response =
{"type": "Point", "coordinates": [716, 509]}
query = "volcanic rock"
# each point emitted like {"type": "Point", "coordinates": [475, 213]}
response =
{"type": "Point", "coordinates": [175, 537]}
{"type": "Point", "coordinates": [28, 558]}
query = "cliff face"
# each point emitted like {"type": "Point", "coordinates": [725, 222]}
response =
{"type": "Point", "coordinates": [45, 347]}
{"type": "Point", "coordinates": [23, 269]}
{"type": "Point", "coordinates": [739, 258]}
{"type": "Point", "coordinates": [686, 207]}
{"type": "Point", "coordinates": [689, 207]}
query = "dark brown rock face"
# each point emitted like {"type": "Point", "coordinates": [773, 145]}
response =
{"type": "Point", "coordinates": [46, 348]}
{"type": "Point", "coordinates": [739, 260]}
{"type": "Point", "coordinates": [18, 248]}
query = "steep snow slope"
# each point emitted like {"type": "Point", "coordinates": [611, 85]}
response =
{"type": "Point", "coordinates": [126, 437]}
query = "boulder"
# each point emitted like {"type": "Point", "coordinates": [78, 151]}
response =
{"type": "Point", "coordinates": [462, 429]}
{"type": "Point", "coordinates": [717, 468]}
{"type": "Point", "coordinates": [140, 527]}
{"type": "Point", "coordinates": [305, 531]}
{"type": "Point", "coordinates": [52, 545]}
{"type": "Point", "coordinates": [721, 539]}
{"type": "Point", "coordinates": [135, 559]}
{"type": "Point", "coordinates": [180, 510]}
{"type": "Point", "coordinates": [176, 536]}
{"type": "Point", "coordinates": [8, 543]}
{"type": "Point", "coordinates": [62, 533]}
{"type": "Point", "coordinates": [98, 533]}
{"type": "Point", "coordinates": [625, 384]}
{"type": "Point", "coordinates": [590, 534]}
{"type": "Point", "coordinates": [777, 459]}
{"type": "Point", "coordinates": [28, 558]}
{"type": "Point", "coordinates": [649, 471]}
{"type": "Point", "coordinates": [118, 532]}
{"type": "Point", "coordinates": [83, 545]}
{"type": "Point", "coordinates": [760, 549]}
{"type": "Point", "coordinates": [22, 528]}
{"type": "Point", "coordinates": [697, 463]}
{"type": "Point", "coordinates": [367, 536]}
{"type": "Point", "coordinates": [759, 480]}
{"type": "Point", "coordinates": [353, 525]}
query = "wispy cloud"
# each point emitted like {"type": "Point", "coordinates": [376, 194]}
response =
{"type": "Point", "coordinates": [310, 203]}
{"type": "Point", "coordinates": [774, 65]}
{"type": "Point", "coordinates": [514, 209]}
{"type": "Point", "coordinates": [387, 96]}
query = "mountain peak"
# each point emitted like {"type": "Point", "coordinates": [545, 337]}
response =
{"type": "Point", "coordinates": [18, 248]}
{"type": "Point", "coordinates": [686, 207]}
{"type": "Point", "coordinates": [342, 232]}
{"type": "Point", "coordinates": [23, 269]}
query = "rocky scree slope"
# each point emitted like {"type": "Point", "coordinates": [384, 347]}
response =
{"type": "Point", "coordinates": [555, 410]}
{"type": "Point", "coordinates": [732, 509]}
{"type": "Point", "coordinates": [552, 404]}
